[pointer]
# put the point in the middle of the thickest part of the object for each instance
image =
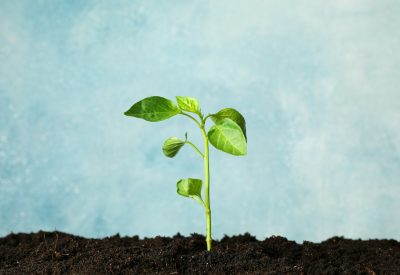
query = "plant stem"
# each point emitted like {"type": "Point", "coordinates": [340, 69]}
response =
{"type": "Point", "coordinates": [192, 118]}
{"type": "Point", "coordinates": [199, 200]}
{"type": "Point", "coordinates": [195, 148]}
{"type": "Point", "coordinates": [207, 187]}
{"type": "Point", "coordinates": [209, 115]}
{"type": "Point", "coordinates": [206, 173]}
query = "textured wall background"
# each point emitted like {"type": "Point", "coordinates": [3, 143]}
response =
{"type": "Point", "coordinates": [318, 82]}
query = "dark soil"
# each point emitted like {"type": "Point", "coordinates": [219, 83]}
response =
{"type": "Point", "coordinates": [60, 253]}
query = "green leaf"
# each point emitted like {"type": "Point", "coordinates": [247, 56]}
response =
{"type": "Point", "coordinates": [172, 146]}
{"type": "Point", "coordinates": [227, 136]}
{"type": "Point", "coordinates": [232, 114]}
{"type": "Point", "coordinates": [189, 187]}
{"type": "Point", "coordinates": [154, 108]}
{"type": "Point", "coordinates": [189, 104]}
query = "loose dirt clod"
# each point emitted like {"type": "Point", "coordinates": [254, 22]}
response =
{"type": "Point", "coordinates": [60, 253]}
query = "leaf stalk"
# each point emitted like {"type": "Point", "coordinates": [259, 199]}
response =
{"type": "Point", "coordinates": [195, 148]}
{"type": "Point", "coordinates": [192, 118]}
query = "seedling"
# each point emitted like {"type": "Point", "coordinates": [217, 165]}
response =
{"type": "Point", "coordinates": [228, 134]}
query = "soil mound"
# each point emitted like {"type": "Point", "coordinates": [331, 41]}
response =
{"type": "Point", "coordinates": [61, 253]}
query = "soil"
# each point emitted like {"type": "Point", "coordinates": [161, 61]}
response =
{"type": "Point", "coordinates": [60, 253]}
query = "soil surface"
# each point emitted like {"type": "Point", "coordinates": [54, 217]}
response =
{"type": "Point", "coordinates": [60, 253]}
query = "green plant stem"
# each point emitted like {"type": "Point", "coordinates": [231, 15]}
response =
{"type": "Point", "coordinates": [199, 200]}
{"type": "Point", "coordinates": [207, 187]}
{"type": "Point", "coordinates": [206, 174]}
{"type": "Point", "coordinates": [195, 148]}
{"type": "Point", "coordinates": [192, 118]}
{"type": "Point", "coordinates": [210, 115]}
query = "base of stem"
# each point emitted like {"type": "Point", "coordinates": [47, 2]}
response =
{"type": "Point", "coordinates": [208, 241]}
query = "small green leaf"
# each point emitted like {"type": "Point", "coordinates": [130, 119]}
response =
{"type": "Point", "coordinates": [189, 187]}
{"type": "Point", "coordinates": [227, 136]}
{"type": "Point", "coordinates": [154, 108]}
{"type": "Point", "coordinates": [232, 114]}
{"type": "Point", "coordinates": [189, 104]}
{"type": "Point", "coordinates": [172, 146]}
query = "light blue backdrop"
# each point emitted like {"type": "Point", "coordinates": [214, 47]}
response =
{"type": "Point", "coordinates": [318, 82]}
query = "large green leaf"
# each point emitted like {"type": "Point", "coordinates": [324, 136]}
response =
{"type": "Point", "coordinates": [227, 136]}
{"type": "Point", "coordinates": [189, 187]}
{"type": "Point", "coordinates": [154, 108]}
{"type": "Point", "coordinates": [232, 114]}
{"type": "Point", "coordinates": [172, 146]}
{"type": "Point", "coordinates": [189, 104]}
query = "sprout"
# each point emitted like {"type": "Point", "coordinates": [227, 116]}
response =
{"type": "Point", "coordinates": [228, 134]}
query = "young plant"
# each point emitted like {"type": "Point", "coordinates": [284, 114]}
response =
{"type": "Point", "coordinates": [228, 134]}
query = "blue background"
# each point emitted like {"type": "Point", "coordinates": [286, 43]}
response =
{"type": "Point", "coordinates": [318, 83]}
